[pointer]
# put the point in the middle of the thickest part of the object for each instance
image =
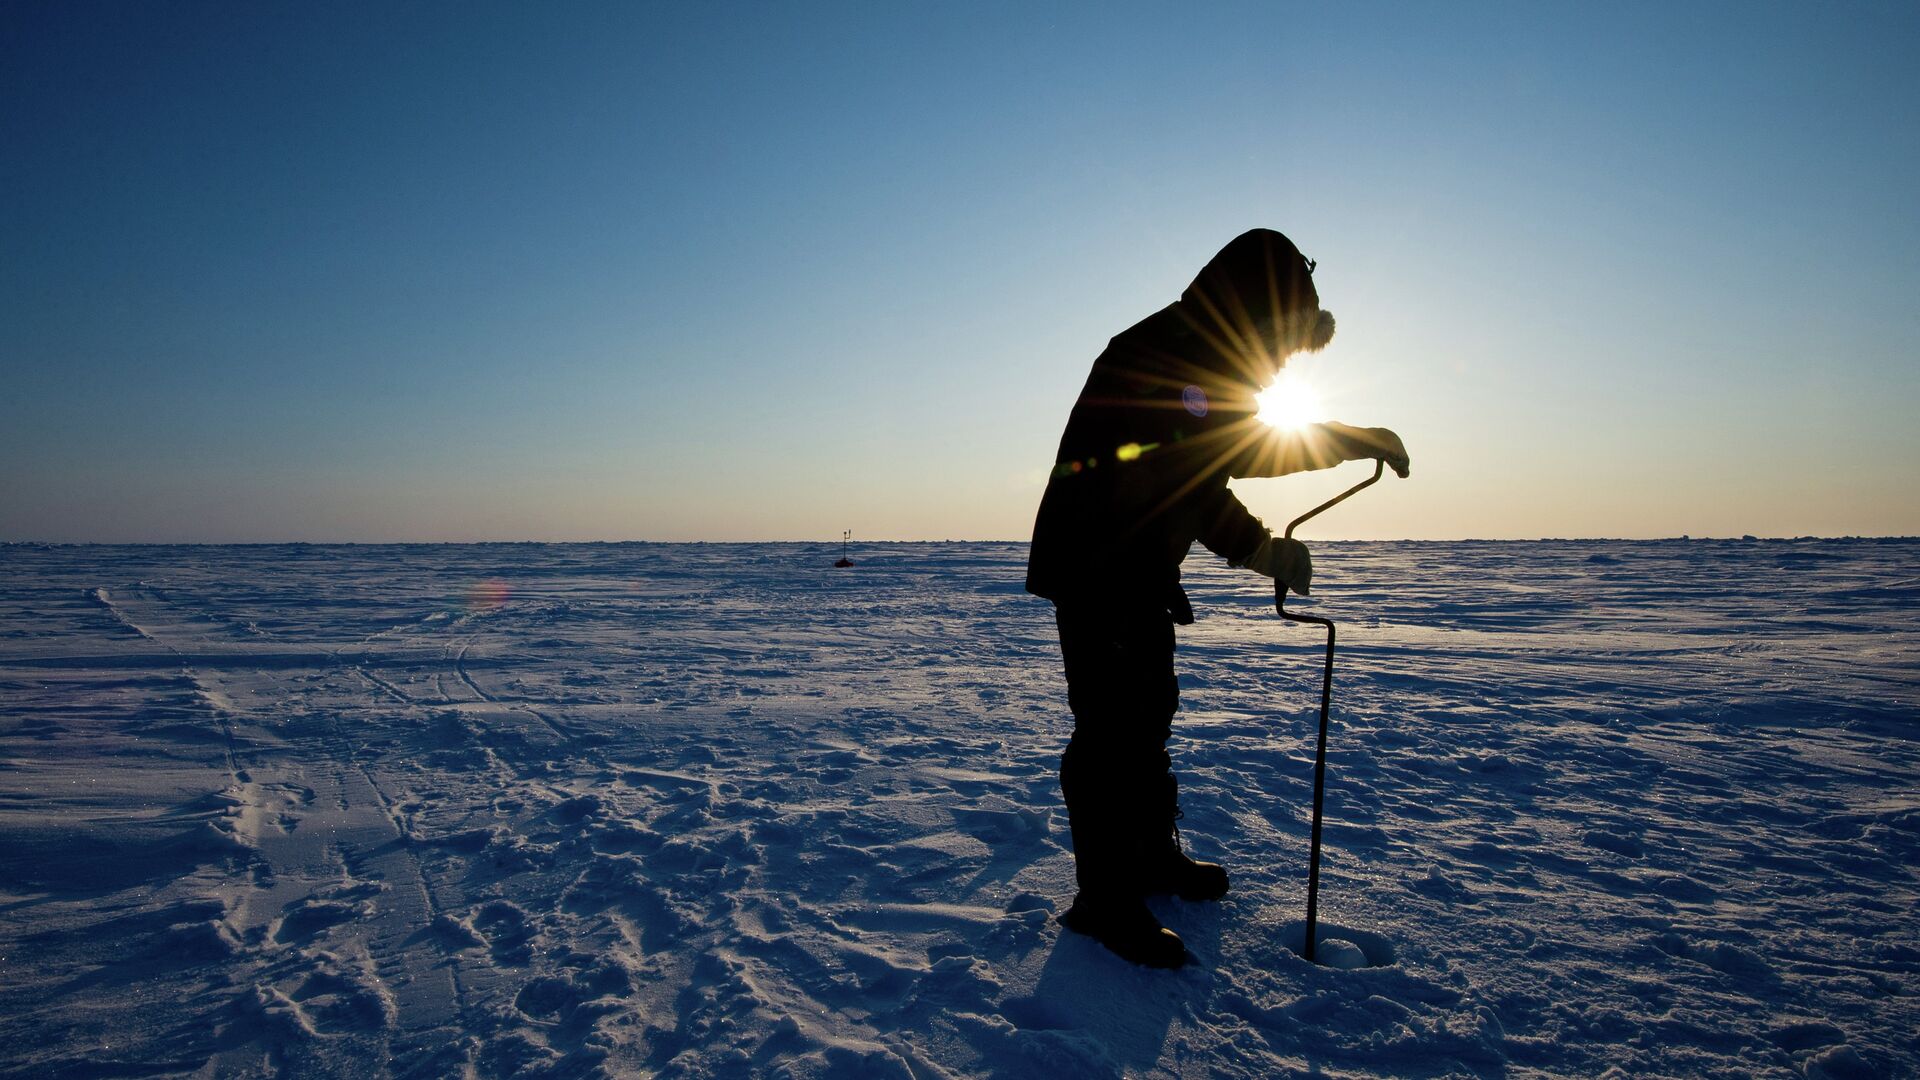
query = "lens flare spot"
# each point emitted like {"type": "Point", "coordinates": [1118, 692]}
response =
{"type": "Point", "coordinates": [1129, 452]}
{"type": "Point", "coordinates": [1290, 402]}
{"type": "Point", "coordinates": [1195, 399]}
{"type": "Point", "coordinates": [483, 596]}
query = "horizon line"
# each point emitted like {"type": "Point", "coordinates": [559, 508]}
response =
{"type": "Point", "coordinates": [1678, 538]}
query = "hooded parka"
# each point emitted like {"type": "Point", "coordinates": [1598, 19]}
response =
{"type": "Point", "coordinates": [1166, 418]}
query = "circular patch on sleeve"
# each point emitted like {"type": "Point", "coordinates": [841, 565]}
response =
{"type": "Point", "coordinates": [1195, 399]}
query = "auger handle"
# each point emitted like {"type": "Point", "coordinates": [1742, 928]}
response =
{"type": "Point", "coordinates": [1379, 468]}
{"type": "Point", "coordinates": [1280, 587]}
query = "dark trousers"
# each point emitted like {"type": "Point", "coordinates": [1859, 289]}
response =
{"type": "Point", "coordinates": [1116, 775]}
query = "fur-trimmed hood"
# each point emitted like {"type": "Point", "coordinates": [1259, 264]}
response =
{"type": "Point", "coordinates": [1260, 277]}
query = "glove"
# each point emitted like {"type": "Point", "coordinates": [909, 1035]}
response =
{"type": "Point", "coordinates": [1356, 443]}
{"type": "Point", "coordinates": [1283, 559]}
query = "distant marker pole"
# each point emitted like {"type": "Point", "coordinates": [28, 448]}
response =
{"type": "Point", "coordinates": [1326, 699]}
{"type": "Point", "coordinates": [845, 536]}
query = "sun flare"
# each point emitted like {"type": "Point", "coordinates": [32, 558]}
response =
{"type": "Point", "coordinates": [1289, 403]}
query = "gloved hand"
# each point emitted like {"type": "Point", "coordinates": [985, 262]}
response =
{"type": "Point", "coordinates": [1355, 444]}
{"type": "Point", "coordinates": [1283, 559]}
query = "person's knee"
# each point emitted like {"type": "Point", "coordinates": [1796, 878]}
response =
{"type": "Point", "coordinates": [1136, 768]}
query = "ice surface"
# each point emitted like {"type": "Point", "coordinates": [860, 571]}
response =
{"type": "Point", "coordinates": [723, 810]}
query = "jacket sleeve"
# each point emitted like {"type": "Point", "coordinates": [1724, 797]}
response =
{"type": "Point", "coordinates": [1228, 528]}
{"type": "Point", "coordinates": [1282, 452]}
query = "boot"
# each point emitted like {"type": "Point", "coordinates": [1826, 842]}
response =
{"type": "Point", "coordinates": [1125, 926]}
{"type": "Point", "coordinates": [1174, 871]}
{"type": "Point", "coordinates": [1167, 868]}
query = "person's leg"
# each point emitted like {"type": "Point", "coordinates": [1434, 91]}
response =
{"type": "Point", "coordinates": [1121, 688]}
{"type": "Point", "coordinates": [1123, 691]}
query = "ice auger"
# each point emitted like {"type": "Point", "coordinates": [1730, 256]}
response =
{"type": "Point", "coordinates": [1326, 698]}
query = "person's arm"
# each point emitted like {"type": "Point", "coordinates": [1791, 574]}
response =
{"type": "Point", "coordinates": [1229, 529]}
{"type": "Point", "coordinates": [1283, 451]}
{"type": "Point", "coordinates": [1233, 533]}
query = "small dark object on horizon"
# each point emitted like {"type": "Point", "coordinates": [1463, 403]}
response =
{"type": "Point", "coordinates": [845, 535]}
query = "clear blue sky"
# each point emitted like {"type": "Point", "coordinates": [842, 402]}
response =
{"type": "Point", "coordinates": [465, 271]}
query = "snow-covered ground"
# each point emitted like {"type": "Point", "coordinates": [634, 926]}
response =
{"type": "Point", "coordinates": [723, 810]}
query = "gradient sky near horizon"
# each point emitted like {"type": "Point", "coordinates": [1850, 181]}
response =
{"type": "Point", "coordinates": [770, 271]}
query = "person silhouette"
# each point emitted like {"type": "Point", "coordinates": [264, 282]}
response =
{"type": "Point", "coordinates": [1165, 419]}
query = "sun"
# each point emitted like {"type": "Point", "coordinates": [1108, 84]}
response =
{"type": "Point", "coordinates": [1289, 403]}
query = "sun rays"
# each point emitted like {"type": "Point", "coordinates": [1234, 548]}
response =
{"type": "Point", "coordinates": [1290, 403]}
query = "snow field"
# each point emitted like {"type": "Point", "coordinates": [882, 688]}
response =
{"type": "Point", "coordinates": [722, 810]}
